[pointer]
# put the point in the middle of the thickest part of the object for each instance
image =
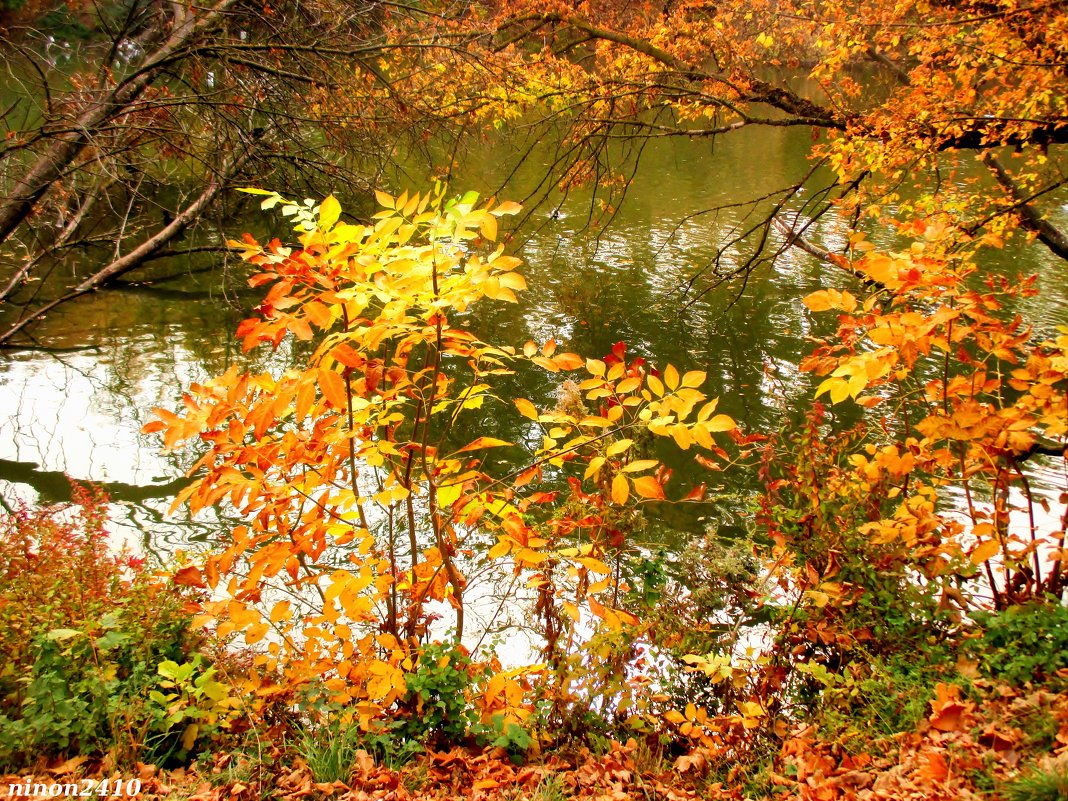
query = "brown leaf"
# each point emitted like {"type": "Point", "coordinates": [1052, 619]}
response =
{"type": "Point", "coordinates": [947, 708]}
{"type": "Point", "coordinates": [69, 766]}
{"type": "Point", "coordinates": [936, 768]}
{"type": "Point", "coordinates": [364, 761]}
{"type": "Point", "coordinates": [695, 761]}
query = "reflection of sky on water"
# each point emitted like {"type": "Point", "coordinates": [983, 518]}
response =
{"type": "Point", "coordinates": [1045, 515]}
{"type": "Point", "coordinates": [64, 417]}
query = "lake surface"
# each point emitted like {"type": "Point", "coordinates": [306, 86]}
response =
{"type": "Point", "coordinates": [75, 407]}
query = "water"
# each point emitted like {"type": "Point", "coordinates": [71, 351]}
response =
{"type": "Point", "coordinates": [76, 405]}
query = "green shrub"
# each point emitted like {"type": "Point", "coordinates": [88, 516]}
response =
{"type": "Point", "coordinates": [438, 703]}
{"type": "Point", "coordinates": [1022, 643]}
{"type": "Point", "coordinates": [330, 749]}
{"type": "Point", "coordinates": [881, 697]}
{"type": "Point", "coordinates": [506, 734]}
{"type": "Point", "coordinates": [96, 659]}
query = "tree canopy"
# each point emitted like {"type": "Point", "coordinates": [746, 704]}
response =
{"type": "Point", "coordinates": [898, 95]}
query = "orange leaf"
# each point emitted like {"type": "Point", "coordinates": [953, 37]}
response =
{"type": "Point", "coordinates": [620, 489]}
{"type": "Point", "coordinates": [649, 487]}
{"type": "Point", "coordinates": [569, 361]}
{"type": "Point", "coordinates": [482, 443]}
{"type": "Point", "coordinates": [333, 388]}
{"type": "Point", "coordinates": [947, 708]}
{"type": "Point", "coordinates": [697, 493]}
{"type": "Point", "coordinates": [300, 328]}
{"type": "Point", "coordinates": [984, 550]}
{"type": "Point", "coordinates": [189, 576]}
{"type": "Point", "coordinates": [319, 314]}
{"type": "Point", "coordinates": [344, 354]}
{"type": "Point", "coordinates": [526, 408]}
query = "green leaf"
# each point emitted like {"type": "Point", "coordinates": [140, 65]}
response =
{"type": "Point", "coordinates": [168, 669]}
{"type": "Point", "coordinates": [112, 639]}
{"type": "Point", "coordinates": [62, 634]}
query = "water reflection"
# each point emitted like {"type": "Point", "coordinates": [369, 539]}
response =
{"type": "Point", "coordinates": [78, 412]}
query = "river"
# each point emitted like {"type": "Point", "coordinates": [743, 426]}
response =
{"type": "Point", "coordinates": [74, 406]}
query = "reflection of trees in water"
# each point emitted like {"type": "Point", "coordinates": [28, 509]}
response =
{"type": "Point", "coordinates": [69, 405]}
{"type": "Point", "coordinates": [138, 513]}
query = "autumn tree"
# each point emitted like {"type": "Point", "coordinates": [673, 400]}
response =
{"type": "Point", "coordinates": [942, 125]}
{"type": "Point", "coordinates": [368, 495]}
{"type": "Point", "coordinates": [900, 98]}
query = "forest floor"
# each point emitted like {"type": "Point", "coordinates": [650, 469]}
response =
{"type": "Point", "coordinates": [986, 741]}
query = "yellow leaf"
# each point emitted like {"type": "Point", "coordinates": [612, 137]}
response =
{"type": "Point", "coordinates": [596, 463]}
{"type": "Point", "coordinates": [508, 207]}
{"type": "Point", "coordinates": [681, 434]}
{"type": "Point", "coordinates": [596, 367]}
{"type": "Point", "coordinates": [751, 709]}
{"type": "Point", "coordinates": [671, 377]}
{"type": "Point", "coordinates": [617, 448]}
{"type": "Point", "coordinates": [720, 423]}
{"type": "Point", "coordinates": [487, 226]}
{"type": "Point", "coordinates": [526, 408]}
{"type": "Point", "coordinates": [620, 490]}
{"type": "Point", "coordinates": [189, 736]}
{"type": "Point", "coordinates": [329, 212]}
{"type": "Point", "coordinates": [838, 388]}
{"type": "Point", "coordinates": [656, 385]}
{"type": "Point", "coordinates": [694, 378]}
{"type": "Point", "coordinates": [596, 565]}
{"type": "Point", "coordinates": [572, 611]}
{"type": "Point", "coordinates": [628, 384]}
{"type": "Point", "coordinates": [384, 200]}
{"type": "Point", "coordinates": [530, 557]}
{"type": "Point", "coordinates": [985, 550]}
{"type": "Point", "coordinates": [640, 464]}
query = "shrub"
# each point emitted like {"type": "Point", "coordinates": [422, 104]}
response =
{"type": "Point", "coordinates": [1022, 643]}
{"type": "Point", "coordinates": [439, 698]}
{"type": "Point", "coordinates": [1039, 785]}
{"type": "Point", "coordinates": [95, 658]}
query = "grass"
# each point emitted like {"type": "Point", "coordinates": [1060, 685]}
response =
{"type": "Point", "coordinates": [330, 750]}
{"type": "Point", "coordinates": [1039, 785]}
